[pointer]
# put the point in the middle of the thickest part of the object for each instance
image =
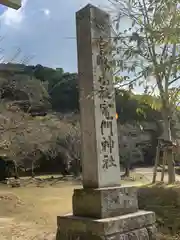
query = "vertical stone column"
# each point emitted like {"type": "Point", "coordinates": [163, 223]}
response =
{"type": "Point", "coordinates": [102, 209]}
{"type": "Point", "coordinates": [100, 155]}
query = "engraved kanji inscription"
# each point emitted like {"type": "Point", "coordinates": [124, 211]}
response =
{"type": "Point", "coordinates": [106, 125]}
{"type": "Point", "coordinates": [103, 81]}
{"type": "Point", "coordinates": [104, 92]}
{"type": "Point", "coordinates": [109, 161]}
{"type": "Point", "coordinates": [105, 109]}
{"type": "Point", "coordinates": [107, 144]}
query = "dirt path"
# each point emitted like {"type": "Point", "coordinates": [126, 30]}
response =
{"type": "Point", "coordinates": [148, 173]}
{"type": "Point", "coordinates": [11, 230]}
{"type": "Point", "coordinates": [30, 213]}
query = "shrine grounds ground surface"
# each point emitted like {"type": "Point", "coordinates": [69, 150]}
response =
{"type": "Point", "coordinates": [29, 212]}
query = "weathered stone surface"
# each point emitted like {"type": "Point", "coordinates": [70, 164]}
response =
{"type": "Point", "coordinates": [77, 236]}
{"type": "Point", "coordinates": [139, 234]}
{"type": "Point", "coordinates": [152, 231]}
{"type": "Point", "coordinates": [100, 153]}
{"type": "Point", "coordinates": [108, 226]}
{"type": "Point", "coordinates": [104, 202]}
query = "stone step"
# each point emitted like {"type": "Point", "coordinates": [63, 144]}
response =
{"type": "Point", "coordinates": [116, 226]}
{"type": "Point", "coordinates": [148, 233]}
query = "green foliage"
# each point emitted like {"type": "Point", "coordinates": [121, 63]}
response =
{"type": "Point", "coordinates": [64, 95]}
{"type": "Point", "coordinates": [40, 89]}
{"type": "Point", "coordinates": [148, 50]}
{"type": "Point", "coordinates": [141, 108]}
{"type": "Point", "coordinates": [62, 87]}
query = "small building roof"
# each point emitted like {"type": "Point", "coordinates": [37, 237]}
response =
{"type": "Point", "coordinates": [15, 4]}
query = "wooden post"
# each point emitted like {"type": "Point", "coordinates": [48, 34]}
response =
{"type": "Point", "coordinates": [156, 162]}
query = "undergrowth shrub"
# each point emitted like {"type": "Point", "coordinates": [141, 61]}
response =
{"type": "Point", "coordinates": [165, 202]}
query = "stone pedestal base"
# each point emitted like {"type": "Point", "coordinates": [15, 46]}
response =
{"type": "Point", "coordinates": [106, 214]}
{"type": "Point", "coordinates": [136, 226]}
{"type": "Point", "coordinates": [104, 202]}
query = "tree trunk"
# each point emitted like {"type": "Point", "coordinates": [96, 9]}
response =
{"type": "Point", "coordinates": [156, 163]}
{"type": "Point", "coordinates": [127, 167]}
{"type": "Point", "coordinates": [164, 164]}
{"type": "Point", "coordinates": [32, 170]}
{"type": "Point", "coordinates": [76, 167]}
{"type": "Point", "coordinates": [168, 138]}
{"type": "Point", "coordinates": [16, 170]}
{"type": "Point", "coordinates": [127, 171]}
{"type": "Point", "coordinates": [128, 160]}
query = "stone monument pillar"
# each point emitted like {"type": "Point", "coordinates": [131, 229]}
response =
{"type": "Point", "coordinates": [102, 209]}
